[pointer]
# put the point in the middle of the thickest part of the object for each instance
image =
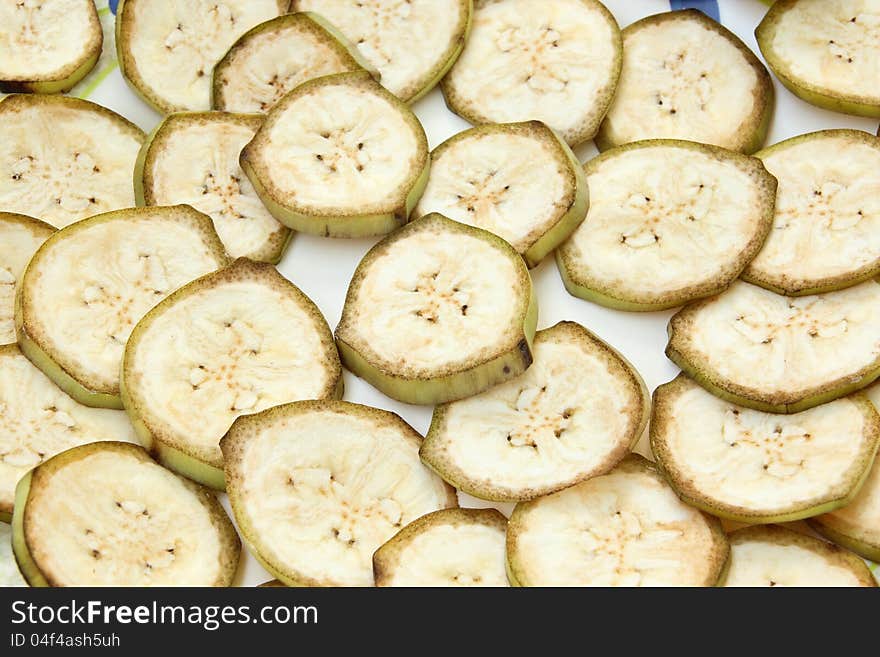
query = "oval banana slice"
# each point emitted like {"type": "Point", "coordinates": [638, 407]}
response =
{"type": "Point", "coordinates": [48, 45]}
{"type": "Point", "coordinates": [826, 230]}
{"type": "Point", "coordinates": [89, 283]}
{"type": "Point", "coordinates": [517, 180]}
{"type": "Point", "coordinates": [669, 222]}
{"type": "Point", "coordinates": [556, 61]}
{"type": "Point", "coordinates": [438, 311]}
{"type": "Point", "coordinates": [192, 158]}
{"type": "Point", "coordinates": [574, 414]}
{"type": "Point", "coordinates": [685, 76]}
{"type": "Point", "coordinates": [779, 354]}
{"type": "Point", "coordinates": [63, 159]}
{"type": "Point", "coordinates": [625, 528]}
{"type": "Point", "coordinates": [771, 555]}
{"type": "Point", "coordinates": [317, 486]}
{"type": "Point", "coordinates": [20, 237]}
{"type": "Point", "coordinates": [231, 343]}
{"type": "Point", "coordinates": [451, 547]}
{"type": "Point", "coordinates": [106, 514]}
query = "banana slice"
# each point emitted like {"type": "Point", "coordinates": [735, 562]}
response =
{"type": "Point", "coordinates": [339, 156]}
{"type": "Point", "coordinates": [557, 61]}
{"type": "Point", "coordinates": [317, 486]}
{"type": "Point", "coordinates": [517, 180]}
{"type": "Point", "coordinates": [771, 555]}
{"type": "Point", "coordinates": [779, 354]}
{"type": "Point", "coordinates": [107, 515]}
{"type": "Point", "coordinates": [47, 46]}
{"type": "Point", "coordinates": [89, 283]}
{"type": "Point", "coordinates": [273, 58]}
{"type": "Point", "coordinates": [192, 158]}
{"type": "Point", "coordinates": [625, 528]}
{"type": "Point", "coordinates": [20, 236]}
{"type": "Point", "coordinates": [574, 414]}
{"type": "Point", "coordinates": [231, 343]}
{"type": "Point", "coordinates": [438, 311]}
{"type": "Point", "coordinates": [826, 233]}
{"type": "Point", "coordinates": [452, 547]}
{"type": "Point", "coordinates": [685, 76]}
{"type": "Point", "coordinates": [63, 159]}
{"type": "Point", "coordinates": [10, 575]}
{"type": "Point", "coordinates": [669, 222]}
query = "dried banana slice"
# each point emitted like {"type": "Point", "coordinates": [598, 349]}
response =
{"type": "Point", "coordinates": [451, 547]}
{"type": "Point", "coordinates": [10, 575]}
{"type": "Point", "coordinates": [438, 311]}
{"type": "Point", "coordinates": [779, 354]}
{"type": "Point", "coordinates": [557, 61]}
{"type": "Point", "coordinates": [63, 159]}
{"type": "Point", "coordinates": [192, 158]}
{"type": "Point", "coordinates": [106, 514]}
{"type": "Point", "coordinates": [771, 555]}
{"type": "Point", "coordinates": [687, 77]}
{"type": "Point", "coordinates": [167, 49]}
{"type": "Point", "coordinates": [517, 180]}
{"type": "Point", "coordinates": [317, 486]}
{"type": "Point", "coordinates": [669, 222]}
{"type": "Point", "coordinates": [339, 156]}
{"type": "Point", "coordinates": [826, 232]}
{"type": "Point", "coordinates": [231, 343]}
{"type": "Point", "coordinates": [574, 414]}
{"type": "Point", "coordinates": [47, 46]}
{"type": "Point", "coordinates": [625, 528]}
{"type": "Point", "coordinates": [89, 283]}
{"type": "Point", "coordinates": [20, 236]}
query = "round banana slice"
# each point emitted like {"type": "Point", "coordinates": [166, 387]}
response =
{"type": "Point", "coordinates": [20, 236]}
{"type": "Point", "coordinates": [826, 232]}
{"type": "Point", "coordinates": [273, 58]}
{"type": "Point", "coordinates": [556, 61]}
{"type": "Point", "coordinates": [779, 354]}
{"type": "Point", "coordinates": [574, 414]}
{"type": "Point", "coordinates": [106, 514]}
{"type": "Point", "coordinates": [686, 76]}
{"type": "Point", "coordinates": [89, 283]}
{"type": "Point", "coordinates": [669, 222]}
{"type": "Point", "coordinates": [317, 486]}
{"type": "Point", "coordinates": [192, 158]}
{"type": "Point", "coordinates": [231, 343]}
{"type": "Point", "coordinates": [517, 180]}
{"type": "Point", "coordinates": [339, 156]}
{"type": "Point", "coordinates": [771, 555]}
{"type": "Point", "coordinates": [63, 159]}
{"type": "Point", "coordinates": [438, 311]}
{"type": "Point", "coordinates": [10, 575]}
{"type": "Point", "coordinates": [625, 528]}
{"type": "Point", "coordinates": [451, 547]}
{"type": "Point", "coordinates": [47, 46]}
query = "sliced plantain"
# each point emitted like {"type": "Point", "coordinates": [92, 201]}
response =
{"type": "Point", "coordinates": [826, 232]}
{"type": "Point", "coordinates": [438, 311]}
{"type": "Point", "coordinates": [779, 354]}
{"type": "Point", "coordinates": [339, 156]}
{"type": "Point", "coordinates": [20, 236]}
{"type": "Point", "coordinates": [517, 180]}
{"type": "Point", "coordinates": [317, 486]}
{"type": "Point", "coordinates": [89, 283]}
{"type": "Point", "coordinates": [625, 528]}
{"type": "Point", "coordinates": [556, 61]}
{"type": "Point", "coordinates": [231, 343]}
{"type": "Point", "coordinates": [574, 414]}
{"type": "Point", "coordinates": [63, 159]}
{"type": "Point", "coordinates": [827, 52]}
{"type": "Point", "coordinates": [106, 514]}
{"type": "Point", "coordinates": [686, 76]}
{"type": "Point", "coordinates": [771, 555]}
{"type": "Point", "coordinates": [451, 547]}
{"type": "Point", "coordinates": [10, 575]}
{"type": "Point", "coordinates": [669, 222]}
{"type": "Point", "coordinates": [192, 158]}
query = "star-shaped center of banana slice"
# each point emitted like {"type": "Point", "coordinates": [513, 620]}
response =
{"type": "Point", "coordinates": [832, 205]}
{"type": "Point", "coordinates": [52, 179]}
{"type": "Point", "coordinates": [851, 36]}
{"type": "Point", "coordinates": [533, 47]}
{"type": "Point", "coordinates": [647, 217]}
{"type": "Point", "coordinates": [772, 444]}
{"type": "Point", "coordinates": [800, 321]}
{"type": "Point", "coordinates": [199, 41]}
{"type": "Point", "coordinates": [380, 17]}
{"type": "Point", "coordinates": [439, 294]}
{"type": "Point", "coordinates": [536, 421]}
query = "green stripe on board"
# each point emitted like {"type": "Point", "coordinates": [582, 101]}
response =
{"type": "Point", "coordinates": [98, 79]}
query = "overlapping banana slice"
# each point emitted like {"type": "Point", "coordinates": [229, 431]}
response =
{"type": "Point", "coordinates": [669, 222]}
{"type": "Point", "coordinates": [10, 575]}
{"type": "Point", "coordinates": [317, 486]}
{"type": "Point", "coordinates": [686, 76]}
{"type": "Point", "coordinates": [20, 236]}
